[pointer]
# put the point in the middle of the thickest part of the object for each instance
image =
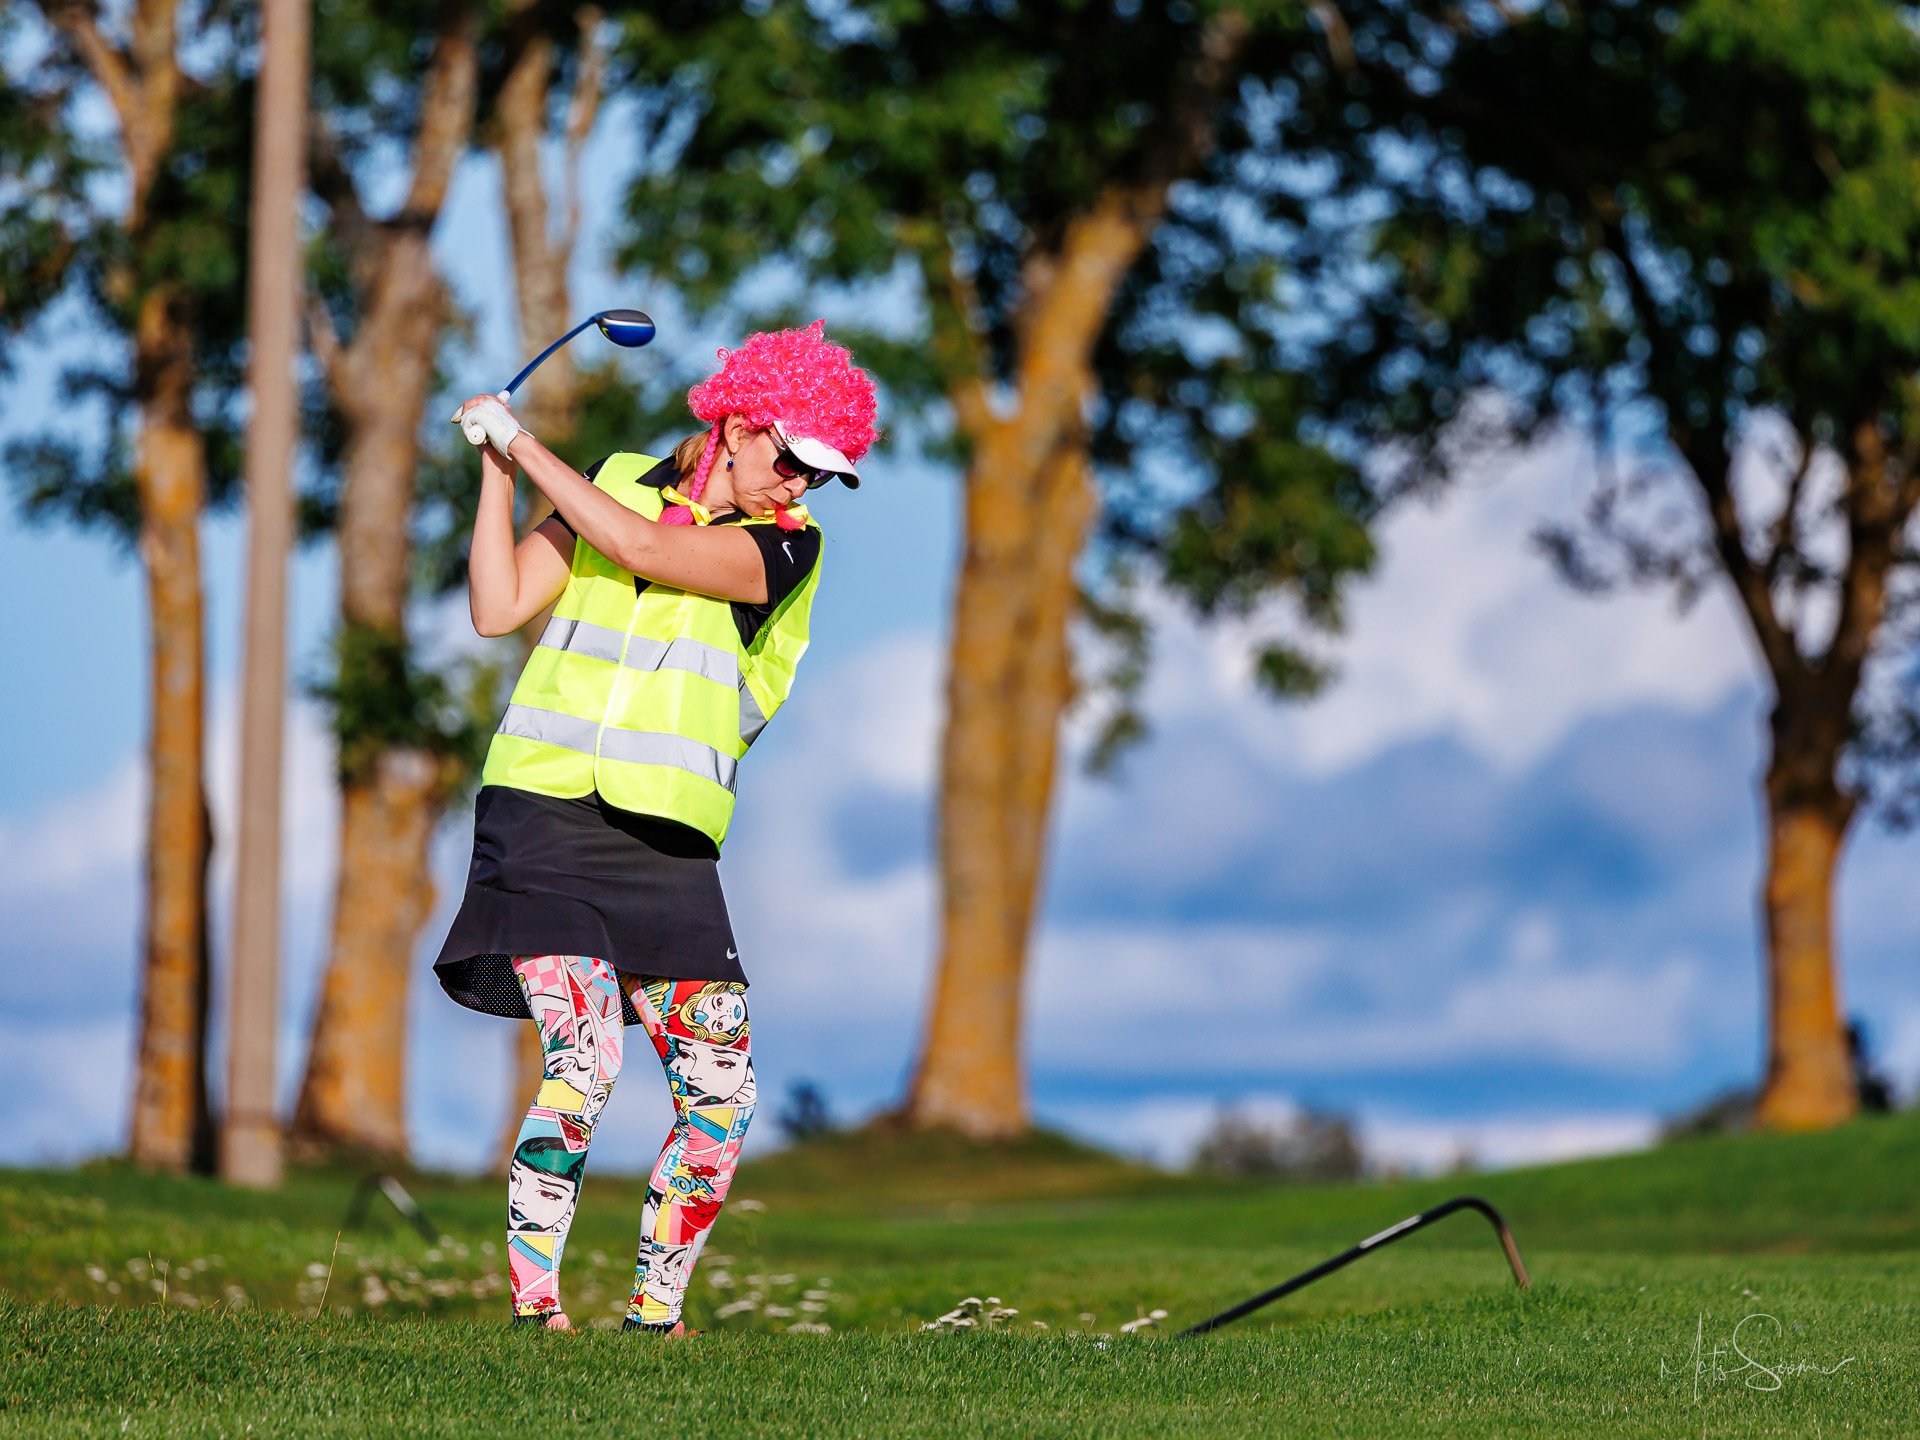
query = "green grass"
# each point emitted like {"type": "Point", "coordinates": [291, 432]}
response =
{"type": "Point", "coordinates": [142, 1305]}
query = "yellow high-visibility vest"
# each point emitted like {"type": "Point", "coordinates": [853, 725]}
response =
{"type": "Point", "coordinates": [642, 691]}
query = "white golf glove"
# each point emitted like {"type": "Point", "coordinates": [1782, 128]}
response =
{"type": "Point", "coordinates": [489, 422]}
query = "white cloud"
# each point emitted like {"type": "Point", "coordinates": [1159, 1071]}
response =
{"type": "Point", "coordinates": [1462, 630]}
{"type": "Point", "coordinates": [69, 845]}
{"type": "Point", "coordinates": [1222, 999]}
{"type": "Point", "coordinates": [69, 1081]}
{"type": "Point", "coordinates": [1501, 1142]}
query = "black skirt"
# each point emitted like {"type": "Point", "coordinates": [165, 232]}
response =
{"type": "Point", "coordinates": [554, 876]}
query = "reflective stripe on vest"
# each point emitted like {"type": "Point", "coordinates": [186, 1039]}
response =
{"type": "Point", "coordinates": [638, 747]}
{"type": "Point", "coordinates": [645, 692]}
{"type": "Point", "coordinates": [603, 642]}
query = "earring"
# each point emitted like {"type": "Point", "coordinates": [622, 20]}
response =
{"type": "Point", "coordinates": [729, 464]}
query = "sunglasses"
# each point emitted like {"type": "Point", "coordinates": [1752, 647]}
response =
{"type": "Point", "coordinates": [788, 466]}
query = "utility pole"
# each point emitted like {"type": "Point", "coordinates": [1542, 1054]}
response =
{"type": "Point", "coordinates": [252, 1151]}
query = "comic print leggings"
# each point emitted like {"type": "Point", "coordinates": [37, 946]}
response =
{"type": "Point", "coordinates": [699, 1030]}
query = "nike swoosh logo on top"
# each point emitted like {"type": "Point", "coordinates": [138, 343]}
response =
{"type": "Point", "coordinates": [787, 545]}
{"type": "Point", "coordinates": [732, 953]}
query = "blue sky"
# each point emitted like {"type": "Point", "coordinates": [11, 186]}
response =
{"type": "Point", "coordinates": [1495, 889]}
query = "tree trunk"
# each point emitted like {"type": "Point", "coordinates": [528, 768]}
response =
{"type": "Point", "coordinates": [1009, 682]}
{"type": "Point", "coordinates": [352, 1096]}
{"type": "Point", "coordinates": [172, 1125]}
{"type": "Point", "coordinates": [1809, 1079]}
{"type": "Point", "coordinates": [543, 294]}
{"type": "Point", "coordinates": [539, 264]}
{"type": "Point", "coordinates": [1030, 498]}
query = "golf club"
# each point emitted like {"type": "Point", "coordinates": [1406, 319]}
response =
{"type": "Point", "coordinates": [1368, 1246]}
{"type": "Point", "coordinates": [628, 328]}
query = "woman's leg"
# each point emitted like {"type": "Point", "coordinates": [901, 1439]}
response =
{"type": "Point", "coordinates": [699, 1030]}
{"type": "Point", "coordinates": [575, 1000]}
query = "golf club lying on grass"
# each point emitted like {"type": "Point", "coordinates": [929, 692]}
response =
{"type": "Point", "coordinates": [403, 1202]}
{"type": "Point", "coordinates": [629, 328]}
{"type": "Point", "coordinates": [1373, 1242]}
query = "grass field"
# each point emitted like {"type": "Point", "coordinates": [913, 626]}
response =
{"type": "Point", "coordinates": [1738, 1285]}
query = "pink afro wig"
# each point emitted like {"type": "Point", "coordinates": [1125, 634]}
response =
{"type": "Point", "coordinates": [798, 377]}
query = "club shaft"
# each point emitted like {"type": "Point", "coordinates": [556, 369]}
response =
{"type": "Point", "coordinates": [534, 364]}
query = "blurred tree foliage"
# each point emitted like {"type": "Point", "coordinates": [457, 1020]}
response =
{"type": "Point", "coordinates": [957, 143]}
{"type": "Point", "coordinates": [1316, 1145]}
{"type": "Point", "coordinates": [1691, 227]}
{"type": "Point", "coordinates": [67, 234]}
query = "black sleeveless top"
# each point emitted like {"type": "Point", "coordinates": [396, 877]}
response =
{"type": "Point", "coordinates": [577, 876]}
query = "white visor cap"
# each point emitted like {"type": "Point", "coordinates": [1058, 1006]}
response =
{"type": "Point", "coordinates": [817, 455]}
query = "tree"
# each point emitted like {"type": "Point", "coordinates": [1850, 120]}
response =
{"type": "Point", "coordinates": [540, 67]}
{"type": "Point", "coordinates": [497, 88]}
{"type": "Point", "coordinates": [1690, 226]}
{"type": "Point", "coordinates": [1087, 201]}
{"type": "Point", "coordinates": [145, 227]}
{"type": "Point", "coordinates": [1315, 1144]}
{"type": "Point", "coordinates": [403, 76]}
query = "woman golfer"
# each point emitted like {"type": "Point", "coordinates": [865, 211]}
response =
{"type": "Point", "coordinates": [593, 900]}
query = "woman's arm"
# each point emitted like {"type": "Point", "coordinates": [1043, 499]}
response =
{"type": "Point", "coordinates": [717, 560]}
{"type": "Point", "coordinates": [508, 585]}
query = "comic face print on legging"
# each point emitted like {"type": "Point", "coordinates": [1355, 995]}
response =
{"type": "Point", "coordinates": [575, 1003]}
{"type": "Point", "coordinates": [700, 1030]}
{"type": "Point", "coordinates": [542, 1184]}
{"type": "Point", "coordinates": [709, 1055]}
{"type": "Point", "coordinates": [712, 1074]}
{"type": "Point", "coordinates": [575, 1034]}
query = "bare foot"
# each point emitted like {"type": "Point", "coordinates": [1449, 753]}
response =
{"type": "Point", "coordinates": [558, 1321]}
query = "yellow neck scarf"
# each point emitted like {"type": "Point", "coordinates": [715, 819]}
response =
{"type": "Point", "coordinates": [701, 515]}
{"type": "Point", "coordinates": [704, 516]}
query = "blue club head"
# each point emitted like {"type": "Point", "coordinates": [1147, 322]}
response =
{"type": "Point", "coordinates": [631, 328]}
